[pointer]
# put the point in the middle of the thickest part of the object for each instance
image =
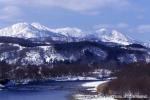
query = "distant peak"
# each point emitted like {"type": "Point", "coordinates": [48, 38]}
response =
{"type": "Point", "coordinates": [29, 25]}
{"type": "Point", "coordinates": [112, 36]}
{"type": "Point", "coordinates": [39, 26]}
{"type": "Point", "coordinates": [117, 34]}
{"type": "Point", "coordinates": [24, 24]}
{"type": "Point", "coordinates": [102, 30]}
{"type": "Point", "coordinates": [69, 31]}
{"type": "Point", "coordinates": [26, 30]}
{"type": "Point", "coordinates": [36, 30]}
{"type": "Point", "coordinates": [21, 23]}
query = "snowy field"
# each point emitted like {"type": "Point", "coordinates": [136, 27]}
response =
{"type": "Point", "coordinates": [92, 87]}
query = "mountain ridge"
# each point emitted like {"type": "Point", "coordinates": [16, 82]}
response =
{"type": "Point", "coordinates": [35, 44]}
{"type": "Point", "coordinates": [61, 54]}
{"type": "Point", "coordinates": [36, 30]}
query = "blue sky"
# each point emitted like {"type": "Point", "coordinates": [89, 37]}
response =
{"type": "Point", "coordinates": [131, 17]}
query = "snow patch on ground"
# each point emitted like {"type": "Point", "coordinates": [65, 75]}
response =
{"type": "Point", "coordinates": [1, 86]}
{"type": "Point", "coordinates": [33, 58]}
{"type": "Point", "coordinates": [92, 85]}
{"type": "Point", "coordinates": [93, 97]}
{"type": "Point", "coordinates": [73, 78]}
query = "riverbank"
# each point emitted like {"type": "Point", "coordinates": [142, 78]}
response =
{"type": "Point", "coordinates": [76, 90]}
{"type": "Point", "coordinates": [89, 92]}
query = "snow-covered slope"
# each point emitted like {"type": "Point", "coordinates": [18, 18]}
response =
{"type": "Point", "coordinates": [69, 32]}
{"type": "Point", "coordinates": [112, 36]}
{"type": "Point", "coordinates": [25, 30]}
{"type": "Point", "coordinates": [147, 44]}
{"type": "Point", "coordinates": [79, 52]}
{"type": "Point", "coordinates": [39, 26]}
{"type": "Point", "coordinates": [36, 30]}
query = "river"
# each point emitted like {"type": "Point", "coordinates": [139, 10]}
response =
{"type": "Point", "coordinates": [44, 91]}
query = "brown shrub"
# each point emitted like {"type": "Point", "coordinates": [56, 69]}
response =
{"type": "Point", "coordinates": [132, 77]}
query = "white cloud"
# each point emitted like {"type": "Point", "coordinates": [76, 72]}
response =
{"type": "Point", "coordinates": [143, 28]}
{"type": "Point", "coordinates": [9, 13]}
{"type": "Point", "coordinates": [76, 5]}
{"type": "Point", "coordinates": [87, 5]}
{"type": "Point", "coordinates": [12, 9]}
{"type": "Point", "coordinates": [121, 25]}
{"type": "Point", "coordinates": [140, 29]}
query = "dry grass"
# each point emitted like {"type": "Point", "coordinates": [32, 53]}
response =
{"type": "Point", "coordinates": [133, 78]}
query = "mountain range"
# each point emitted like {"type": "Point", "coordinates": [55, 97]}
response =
{"type": "Point", "coordinates": [35, 44]}
{"type": "Point", "coordinates": [33, 52]}
{"type": "Point", "coordinates": [36, 30]}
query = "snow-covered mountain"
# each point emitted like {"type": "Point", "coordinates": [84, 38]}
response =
{"type": "Point", "coordinates": [112, 36]}
{"type": "Point", "coordinates": [79, 52]}
{"type": "Point", "coordinates": [36, 30]}
{"type": "Point", "coordinates": [147, 44]}
{"type": "Point", "coordinates": [59, 52]}
{"type": "Point", "coordinates": [25, 30]}
{"type": "Point", "coordinates": [70, 32]}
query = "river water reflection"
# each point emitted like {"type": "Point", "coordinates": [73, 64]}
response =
{"type": "Point", "coordinates": [44, 91]}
